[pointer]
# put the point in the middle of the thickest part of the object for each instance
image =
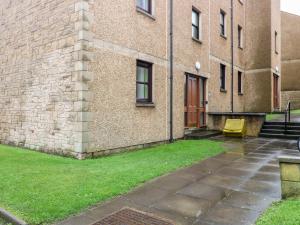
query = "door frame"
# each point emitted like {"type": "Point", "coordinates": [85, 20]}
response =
{"type": "Point", "coordinates": [200, 109]}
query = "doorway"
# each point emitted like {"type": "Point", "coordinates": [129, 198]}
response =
{"type": "Point", "coordinates": [195, 101]}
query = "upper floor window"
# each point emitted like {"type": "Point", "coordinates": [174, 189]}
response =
{"type": "Point", "coordinates": [240, 36]}
{"type": "Point", "coordinates": [196, 24]}
{"type": "Point", "coordinates": [145, 5]}
{"type": "Point", "coordinates": [222, 23]}
{"type": "Point", "coordinates": [144, 82]}
{"type": "Point", "coordinates": [276, 42]}
{"type": "Point", "coordinates": [222, 77]}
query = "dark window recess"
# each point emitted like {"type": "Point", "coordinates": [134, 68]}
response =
{"type": "Point", "coordinates": [240, 80]}
{"type": "Point", "coordinates": [240, 36]}
{"type": "Point", "coordinates": [145, 5]}
{"type": "Point", "coordinates": [222, 77]}
{"type": "Point", "coordinates": [195, 24]}
{"type": "Point", "coordinates": [222, 23]}
{"type": "Point", "coordinates": [144, 82]}
{"type": "Point", "coordinates": [276, 44]}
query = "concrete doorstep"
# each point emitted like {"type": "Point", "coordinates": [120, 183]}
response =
{"type": "Point", "coordinates": [9, 218]}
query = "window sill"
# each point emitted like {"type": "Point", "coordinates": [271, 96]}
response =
{"type": "Point", "coordinates": [241, 48]}
{"type": "Point", "coordinates": [241, 94]}
{"type": "Point", "coordinates": [276, 52]}
{"type": "Point", "coordinates": [223, 90]}
{"type": "Point", "coordinates": [197, 40]}
{"type": "Point", "coordinates": [146, 105]}
{"type": "Point", "coordinates": [145, 13]}
{"type": "Point", "coordinates": [223, 36]}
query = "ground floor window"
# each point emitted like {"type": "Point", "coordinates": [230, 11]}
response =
{"type": "Point", "coordinates": [144, 82]}
{"type": "Point", "coordinates": [240, 83]}
{"type": "Point", "coordinates": [222, 77]}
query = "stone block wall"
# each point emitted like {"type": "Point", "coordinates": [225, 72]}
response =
{"type": "Point", "coordinates": [43, 74]}
{"type": "Point", "coordinates": [293, 97]}
{"type": "Point", "coordinates": [254, 121]}
{"type": "Point", "coordinates": [290, 176]}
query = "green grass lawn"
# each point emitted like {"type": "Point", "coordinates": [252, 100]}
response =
{"type": "Point", "coordinates": [295, 112]}
{"type": "Point", "coordinates": [274, 116]}
{"type": "Point", "coordinates": [41, 188]}
{"type": "Point", "coordinates": [282, 213]}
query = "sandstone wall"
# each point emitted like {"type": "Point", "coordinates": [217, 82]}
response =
{"type": "Point", "coordinates": [40, 93]}
{"type": "Point", "coordinates": [290, 26]}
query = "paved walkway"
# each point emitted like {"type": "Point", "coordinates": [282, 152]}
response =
{"type": "Point", "coordinates": [233, 188]}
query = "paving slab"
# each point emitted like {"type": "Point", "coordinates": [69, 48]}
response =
{"type": "Point", "coordinates": [232, 188]}
{"type": "Point", "coordinates": [269, 189]}
{"type": "Point", "coordinates": [224, 214]}
{"type": "Point", "coordinates": [184, 205]}
{"type": "Point", "coordinates": [248, 200]}
{"type": "Point", "coordinates": [211, 193]}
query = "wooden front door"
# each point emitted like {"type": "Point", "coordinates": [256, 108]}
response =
{"type": "Point", "coordinates": [195, 102]}
{"type": "Point", "coordinates": [275, 91]}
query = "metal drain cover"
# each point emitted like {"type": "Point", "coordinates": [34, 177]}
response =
{"type": "Point", "coordinates": [129, 216]}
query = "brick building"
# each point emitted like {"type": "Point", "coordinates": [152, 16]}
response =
{"type": "Point", "coordinates": [84, 77]}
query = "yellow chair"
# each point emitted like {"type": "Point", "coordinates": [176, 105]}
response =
{"type": "Point", "coordinates": [235, 128]}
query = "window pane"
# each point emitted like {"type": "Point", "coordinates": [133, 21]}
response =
{"type": "Point", "coordinates": [222, 18]}
{"type": "Point", "coordinates": [240, 82]}
{"type": "Point", "coordinates": [142, 74]}
{"type": "Point", "coordinates": [146, 95]}
{"type": "Point", "coordinates": [140, 94]}
{"type": "Point", "coordinates": [222, 76]}
{"type": "Point", "coordinates": [144, 4]}
{"type": "Point", "coordinates": [201, 84]}
{"type": "Point", "coordinates": [195, 18]}
{"type": "Point", "coordinates": [195, 32]}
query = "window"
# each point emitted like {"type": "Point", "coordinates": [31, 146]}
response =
{"type": "Point", "coordinates": [223, 23]}
{"type": "Point", "coordinates": [145, 5]}
{"type": "Point", "coordinates": [240, 80]}
{"type": "Point", "coordinates": [222, 77]}
{"type": "Point", "coordinates": [196, 24]}
{"type": "Point", "coordinates": [240, 36]}
{"type": "Point", "coordinates": [276, 47]}
{"type": "Point", "coordinates": [144, 82]}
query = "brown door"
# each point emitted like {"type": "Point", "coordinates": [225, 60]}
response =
{"type": "Point", "coordinates": [195, 101]}
{"type": "Point", "coordinates": [276, 92]}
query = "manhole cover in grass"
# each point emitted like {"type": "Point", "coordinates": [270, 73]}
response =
{"type": "Point", "coordinates": [128, 216]}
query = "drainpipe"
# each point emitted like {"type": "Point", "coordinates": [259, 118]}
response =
{"type": "Point", "coordinates": [232, 58]}
{"type": "Point", "coordinates": [171, 71]}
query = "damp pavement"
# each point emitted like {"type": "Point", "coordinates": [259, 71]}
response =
{"type": "Point", "coordinates": [233, 188]}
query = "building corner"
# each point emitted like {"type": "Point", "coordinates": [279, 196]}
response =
{"type": "Point", "coordinates": [82, 76]}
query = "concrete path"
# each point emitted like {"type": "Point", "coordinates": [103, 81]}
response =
{"type": "Point", "coordinates": [233, 188]}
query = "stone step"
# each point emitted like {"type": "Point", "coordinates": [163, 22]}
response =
{"type": "Point", "coordinates": [280, 131]}
{"type": "Point", "coordinates": [282, 123]}
{"type": "Point", "coordinates": [279, 136]}
{"type": "Point", "coordinates": [202, 135]}
{"type": "Point", "coordinates": [280, 127]}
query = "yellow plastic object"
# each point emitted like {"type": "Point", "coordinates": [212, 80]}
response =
{"type": "Point", "coordinates": [235, 128]}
